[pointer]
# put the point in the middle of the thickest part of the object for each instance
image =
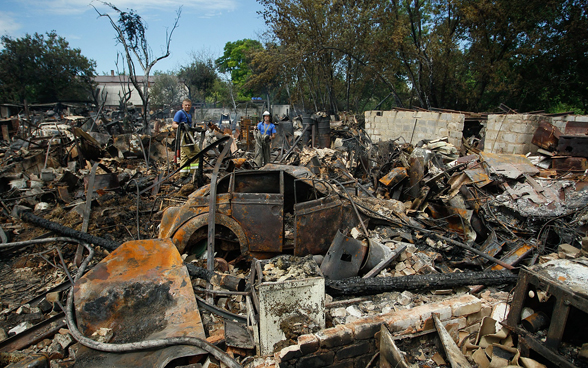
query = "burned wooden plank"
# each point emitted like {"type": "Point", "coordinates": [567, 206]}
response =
{"type": "Point", "coordinates": [370, 286]}
{"type": "Point", "coordinates": [66, 231]}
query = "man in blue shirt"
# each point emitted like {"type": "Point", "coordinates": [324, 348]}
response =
{"type": "Point", "coordinates": [188, 148]}
{"type": "Point", "coordinates": [264, 133]}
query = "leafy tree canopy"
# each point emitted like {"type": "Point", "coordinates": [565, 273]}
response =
{"type": "Point", "coordinates": [43, 68]}
{"type": "Point", "coordinates": [199, 78]}
{"type": "Point", "coordinates": [236, 59]}
{"type": "Point", "coordinates": [167, 91]}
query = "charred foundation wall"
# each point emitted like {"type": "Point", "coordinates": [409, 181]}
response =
{"type": "Point", "coordinates": [414, 126]}
{"type": "Point", "coordinates": [353, 345]}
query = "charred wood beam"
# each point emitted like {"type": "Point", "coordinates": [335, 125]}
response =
{"type": "Point", "coordinates": [65, 231]}
{"type": "Point", "coordinates": [377, 285]}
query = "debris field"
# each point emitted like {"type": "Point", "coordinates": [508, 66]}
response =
{"type": "Point", "coordinates": [344, 251]}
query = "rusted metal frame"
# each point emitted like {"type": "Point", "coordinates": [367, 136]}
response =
{"type": "Point", "coordinates": [34, 334]}
{"type": "Point", "coordinates": [527, 343]}
{"type": "Point", "coordinates": [559, 317]}
{"type": "Point", "coordinates": [212, 212]}
{"type": "Point", "coordinates": [194, 158]}
{"type": "Point", "coordinates": [565, 298]}
{"type": "Point", "coordinates": [546, 352]}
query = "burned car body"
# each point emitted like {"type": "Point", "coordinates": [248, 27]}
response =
{"type": "Point", "coordinates": [261, 213]}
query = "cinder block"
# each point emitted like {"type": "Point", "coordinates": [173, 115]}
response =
{"type": "Point", "coordinates": [389, 114]}
{"type": "Point", "coordinates": [335, 336]}
{"type": "Point", "coordinates": [515, 149]}
{"type": "Point", "coordinates": [452, 126]}
{"type": "Point", "coordinates": [443, 132]}
{"type": "Point", "coordinates": [455, 134]}
{"type": "Point", "coordinates": [467, 304]}
{"type": "Point", "coordinates": [524, 138]}
{"type": "Point", "coordinates": [308, 344]}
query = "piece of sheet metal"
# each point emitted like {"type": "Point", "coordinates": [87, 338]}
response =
{"type": "Point", "coordinates": [515, 256]}
{"type": "Point", "coordinates": [344, 257]}
{"type": "Point", "coordinates": [394, 177]}
{"type": "Point", "coordinates": [316, 224]}
{"type": "Point", "coordinates": [546, 136]}
{"type": "Point", "coordinates": [576, 128]}
{"type": "Point", "coordinates": [492, 245]}
{"type": "Point", "coordinates": [478, 176]}
{"type": "Point", "coordinates": [573, 145]}
{"type": "Point", "coordinates": [238, 336]}
{"type": "Point", "coordinates": [142, 291]}
{"type": "Point", "coordinates": [510, 166]}
{"type": "Point", "coordinates": [565, 163]}
{"type": "Point", "coordinates": [458, 219]}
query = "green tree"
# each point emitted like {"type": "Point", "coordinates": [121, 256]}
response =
{"type": "Point", "coordinates": [43, 68]}
{"type": "Point", "coordinates": [167, 91]}
{"type": "Point", "coordinates": [236, 60]}
{"type": "Point", "coordinates": [199, 78]}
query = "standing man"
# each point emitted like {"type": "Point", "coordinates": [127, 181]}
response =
{"type": "Point", "coordinates": [183, 121]}
{"type": "Point", "coordinates": [264, 133]}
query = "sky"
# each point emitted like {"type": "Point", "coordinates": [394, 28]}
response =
{"type": "Point", "coordinates": [205, 26]}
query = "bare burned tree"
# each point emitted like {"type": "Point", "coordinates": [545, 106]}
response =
{"type": "Point", "coordinates": [130, 32]}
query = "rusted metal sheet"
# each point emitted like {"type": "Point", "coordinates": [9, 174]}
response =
{"type": "Point", "coordinates": [576, 128]}
{"type": "Point", "coordinates": [316, 224]}
{"type": "Point", "coordinates": [573, 145]}
{"type": "Point", "coordinates": [510, 166]}
{"type": "Point", "coordinates": [394, 177]}
{"type": "Point", "coordinates": [515, 256]}
{"type": "Point", "coordinates": [569, 163]}
{"type": "Point", "coordinates": [262, 218]}
{"type": "Point", "coordinates": [458, 219]}
{"type": "Point", "coordinates": [546, 136]}
{"type": "Point", "coordinates": [478, 176]}
{"type": "Point", "coordinates": [142, 291]}
{"type": "Point", "coordinates": [492, 245]}
{"type": "Point", "coordinates": [344, 258]}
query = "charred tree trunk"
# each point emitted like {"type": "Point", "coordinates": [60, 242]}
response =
{"type": "Point", "coordinates": [358, 286]}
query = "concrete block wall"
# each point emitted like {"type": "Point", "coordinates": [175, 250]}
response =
{"type": "Point", "coordinates": [414, 126]}
{"type": "Point", "coordinates": [512, 133]}
{"type": "Point", "coordinates": [353, 345]}
{"type": "Point", "coordinates": [561, 121]}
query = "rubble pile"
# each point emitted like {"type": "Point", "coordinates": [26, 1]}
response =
{"type": "Point", "coordinates": [341, 252]}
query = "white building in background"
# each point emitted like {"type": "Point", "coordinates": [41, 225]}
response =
{"type": "Point", "coordinates": [112, 88]}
